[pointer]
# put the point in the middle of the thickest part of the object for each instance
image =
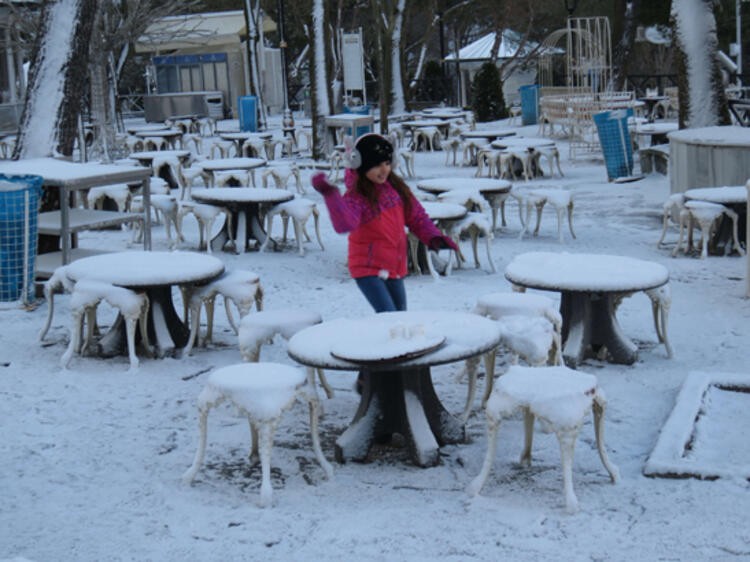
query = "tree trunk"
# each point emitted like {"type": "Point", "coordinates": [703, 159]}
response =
{"type": "Point", "coordinates": [625, 34]}
{"type": "Point", "coordinates": [56, 80]}
{"type": "Point", "coordinates": [702, 98]}
{"type": "Point", "coordinates": [397, 83]}
{"type": "Point", "coordinates": [321, 105]}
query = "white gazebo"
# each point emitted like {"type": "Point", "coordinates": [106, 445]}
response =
{"type": "Point", "coordinates": [471, 57]}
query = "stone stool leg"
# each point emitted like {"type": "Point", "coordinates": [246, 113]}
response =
{"type": "Point", "coordinates": [200, 454]}
{"type": "Point", "coordinates": [599, 406]}
{"type": "Point", "coordinates": [489, 368]}
{"type": "Point", "coordinates": [528, 436]}
{"type": "Point", "coordinates": [265, 439]}
{"type": "Point", "coordinates": [316, 221]}
{"type": "Point", "coordinates": [308, 393]}
{"type": "Point", "coordinates": [323, 380]}
{"type": "Point", "coordinates": [471, 371]}
{"type": "Point", "coordinates": [661, 301]}
{"type": "Point", "coordinates": [567, 439]}
{"type": "Point", "coordinates": [493, 424]}
{"type": "Point", "coordinates": [733, 216]}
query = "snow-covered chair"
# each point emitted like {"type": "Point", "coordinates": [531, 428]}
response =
{"type": "Point", "coordinates": [59, 282]}
{"type": "Point", "coordinates": [299, 210]}
{"type": "Point", "coordinates": [552, 154]}
{"type": "Point", "coordinates": [241, 287]}
{"type": "Point", "coordinates": [86, 296]}
{"type": "Point", "coordinates": [254, 148]}
{"type": "Point", "coordinates": [260, 328]}
{"type": "Point", "coordinates": [206, 126]}
{"type": "Point", "coordinates": [168, 167]}
{"type": "Point", "coordinates": [221, 148]}
{"type": "Point", "coordinates": [134, 144]}
{"type": "Point", "coordinates": [707, 215]}
{"type": "Point", "coordinates": [515, 112]}
{"type": "Point", "coordinates": [561, 399]}
{"type": "Point", "coordinates": [429, 137]}
{"type": "Point", "coordinates": [261, 392]}
{"type": "Point", "coordinates": [195, 139]}
{"type": "Point", "coordinates": [451, 146]}
{"type": "Point", "coordinates": [188, 176]}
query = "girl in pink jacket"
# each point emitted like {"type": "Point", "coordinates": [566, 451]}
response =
{"type": "Point", "coordinates": [375, 210]}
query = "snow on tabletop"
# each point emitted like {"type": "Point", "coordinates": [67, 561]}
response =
{"type": "Point", "coordinates": [263, 390]}
{"type": "Point", "coordinates": [451, 184]}
{"type": "Point", "coordinates": [681, 449]}
{"type": "Point", "coordinates": [61, 170]}
{"type": "Point", "coordinates": [385, 342]}
{"type": "Point", "coordinates": [728, 135]}
{"type": "Point", "coordinates": [157, 267]}
{"type": "Point", "coordinates": [723, 194]}
{"type": "Point", "coordinates": [585, 272]}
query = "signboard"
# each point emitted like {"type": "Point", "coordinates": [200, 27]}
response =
{"type": "Point", "coordinates": [353, 58]}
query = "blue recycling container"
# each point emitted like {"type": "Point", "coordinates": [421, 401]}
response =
{"type": "Point", "coordinates": [248, 113]}
{"type": "Point", "coordinates": [19, 209]}
{"type": "Point", "coordinates": [614, 137]}
{"type": "Point", "coordinates": [529, 103]}
{"type": "Point", "coordinates": [359, 110]}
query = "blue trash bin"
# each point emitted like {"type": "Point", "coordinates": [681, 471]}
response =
{"type": "Point", "coordinates": [359, 110]}
{"type": "Point", "coordinates": [19, 210]}
{"type": "Point", "coordinates": [529, 103]}
{"type": "Point", "coordinates": [614, 137]}
{"type": "Point", "coordinates": [247, 107]}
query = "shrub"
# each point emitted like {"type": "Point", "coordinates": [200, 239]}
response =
{"type": "Point", "coordinates": [487, 99]}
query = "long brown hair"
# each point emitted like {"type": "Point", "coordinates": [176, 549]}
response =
{"type": "Point", "coordinates": [368, 191]}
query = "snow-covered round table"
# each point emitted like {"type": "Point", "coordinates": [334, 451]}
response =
{"type": "Point", "coordinates": [397, 392]}
{"type": "Point", "coordinates": [589, 285]}
{"type": "Point", "coordinates": [155, 273]}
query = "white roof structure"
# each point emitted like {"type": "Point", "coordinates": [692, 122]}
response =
{"type": "Point", "coordinates": [481, 48]}
{"type": "Point", "coordinates": [196, 30]}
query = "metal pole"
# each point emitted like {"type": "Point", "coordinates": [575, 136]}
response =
{"type": "Point", "coordinates": [282, 47]}
{"type": "Point", "coordinates": [738, 23]}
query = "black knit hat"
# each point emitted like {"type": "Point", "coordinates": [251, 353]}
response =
{"type": "Point", "coordinates": [373, 150]}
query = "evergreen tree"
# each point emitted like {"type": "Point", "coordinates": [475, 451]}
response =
{"type": "Point", "coordinates": [488, 102]}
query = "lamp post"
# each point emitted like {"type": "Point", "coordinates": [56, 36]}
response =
{"type": "Point", "coordinates": [571, 5]}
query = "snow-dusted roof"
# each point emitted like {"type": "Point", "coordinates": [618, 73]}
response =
{"type": "Point", "coordinates": [196, 30]}
{"type": "Point", "coordinates": [481, 48]}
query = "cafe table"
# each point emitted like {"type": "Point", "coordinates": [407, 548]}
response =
{"type": "Point", "coordinates": [651, 103]}
{"type": "Point", "coordinates": [156, 273]}
{"type": "Point", "coordinates": [171, 136]}
{"type": "Point", "coordinates": [225, 164]}
{"type": "Point", "coordinates": [247, 206]}
{"type": "Point", "coordinates": [487, 134]}
{"type": "Point", "coordinates": [395, 352]}
{"type": "Point", "coordinates": [590, 286]}
{"type": "Point", "coordinates": [239, 138]}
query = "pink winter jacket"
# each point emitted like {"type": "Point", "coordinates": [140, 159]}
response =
{"type": "Point", "coordinates": [377, 238]}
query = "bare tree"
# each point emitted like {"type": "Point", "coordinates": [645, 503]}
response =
{"type": "Point", "coordinates": [321, 104]}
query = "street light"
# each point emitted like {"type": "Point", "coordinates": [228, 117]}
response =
{"type": "Point", "coordinates": [288, 119]}
{"type": "Point", "coordinates": [571, 5]}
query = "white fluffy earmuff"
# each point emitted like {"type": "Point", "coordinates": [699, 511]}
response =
{"type": "Point", "coordinates": [352, 157]}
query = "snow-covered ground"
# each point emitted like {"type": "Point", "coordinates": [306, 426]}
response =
{"type": "Point", "coordinates": [91, 457]}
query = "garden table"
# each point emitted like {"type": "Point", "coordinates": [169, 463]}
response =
{"type": "Point", "coordinates": [394, 352]}
{"type": "Point", "coordinates": [590, 286]}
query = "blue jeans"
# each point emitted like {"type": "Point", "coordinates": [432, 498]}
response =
{"type": "Point", "coordinates": [384, 295]}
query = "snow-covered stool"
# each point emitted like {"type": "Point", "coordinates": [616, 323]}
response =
{"type": "Point", "coordinates": [169, 208]}
{"type": "Point", "coordinates": [59, 282]}
{"type": "Point", "coordinates": [260, 328]}
{"type": "Point", "coordinates": [299, 210]}
{"type": "Point", "coordinates": [281, 176]}
{"type": "Point", "coordinates": [474, 225]}
{"type": "Point", "coordinates": [195, 139]}
{"type": "Point", "coordinates": [133, 143]}
{"type": "Point", "coordinates": [222, 148]}
{"type": "Point", "coordinates": [241, 287]}
{"type": "Point", "coordinates": [707, 215]}
{"type": "Point", "coordinates": [491, 158]}
{"type": "Point", "coordinates": [552, 154]}
{"type": "Point", "coordinates": [451, 147]}
{"type": "Point", "coordinates": [429, 137]}
{"type": "Point", "coordinates": [232, 178]}
{"type": "Point", "coordinates": [560, 199]}
{"type": "Point", "coordinates": [253, 148]}
{"type": "Point", "coordinates": [118, 192]}
{"type": "Point", "coordinates": [261, 392]}
{"type": "Point", "coordinates": [168, 168]}
{"type": "Point", "coordinates": [155, 142]}
{"type": "Point", "coordinates": [407, 156]}
{"type": "Point", "coordinates": [187, 180]}
{"type": "Point", "coordinates": [86, 296]}
{"type": "Point", "coordinates": [560, 398]}
{"type": "Point", "coordinates": [206, 126]}
{"type": "Point", "coordinates": [673, 207]}
{"type": "Point", "coordinates": [206, 215]}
